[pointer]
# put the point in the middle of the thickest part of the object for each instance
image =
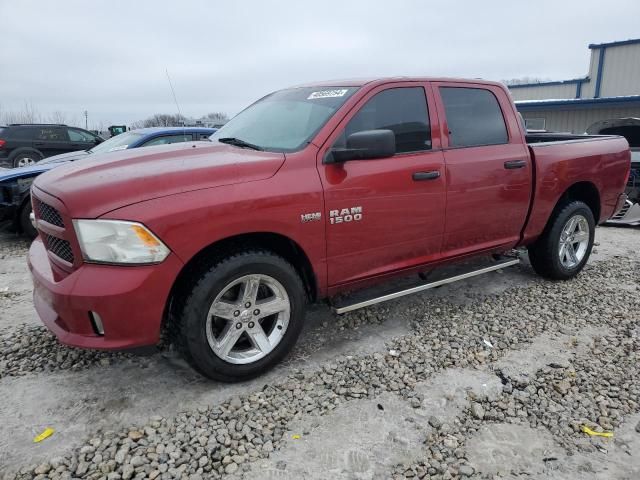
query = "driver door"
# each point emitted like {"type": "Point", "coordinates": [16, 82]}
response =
{"type": "Point", "coordinates": [385, 214]}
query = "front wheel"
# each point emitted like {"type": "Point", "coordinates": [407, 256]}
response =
{"type": "Point", "coordinates": [25, 222]}
{"type": "Point", "coordinates": [241, 316]}
{"type": "Point", "coordinates": [563, 249]}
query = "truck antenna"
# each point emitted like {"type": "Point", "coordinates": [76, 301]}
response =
{"type": "Point", "coordinates": [175, 99]}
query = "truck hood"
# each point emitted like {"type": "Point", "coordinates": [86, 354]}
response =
{"type": "Point", "coordinates": [94, 187]}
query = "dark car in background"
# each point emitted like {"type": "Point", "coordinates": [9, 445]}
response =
{"type": "Point", "coordinates": [16, 182]}
{"type": "Point", "coordinates": [25, 144]}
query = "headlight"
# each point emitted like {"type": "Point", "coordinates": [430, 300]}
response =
{"type": "Point", "coordinates": [115, 241]}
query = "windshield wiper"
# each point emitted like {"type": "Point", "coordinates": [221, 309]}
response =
{"type": "Point", "coordinates": [239, 143]}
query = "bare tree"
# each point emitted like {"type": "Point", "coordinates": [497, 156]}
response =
{"type": "Point", "coordinates": [161, 120]}
{"type": "Point", "coordinates": [217, 117]}
{"type": "Point", "coordinates": [58, 117]}
{"type": "Point", "coordinates": [28, 114]}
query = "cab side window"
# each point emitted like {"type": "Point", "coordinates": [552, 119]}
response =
{"type": "Point", "coordinates": [401, 110]}
{"type": "Point", "coordinates": [474, 117]}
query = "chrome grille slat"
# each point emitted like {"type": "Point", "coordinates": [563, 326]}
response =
{"type": "Point", "coordinates": [59, 247]}
{"type": "Point", "coordinates": [50, 214]}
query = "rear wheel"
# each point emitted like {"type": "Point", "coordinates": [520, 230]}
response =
{"type": "Point", "coordinates": [25, 159]}
{"type": "Point", "coordinates": [565, 246]}
{"type": "Point", "coordinates": [241, 316]}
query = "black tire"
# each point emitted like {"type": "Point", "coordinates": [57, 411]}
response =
{"type": "Point", "coordinates": [19, 157]}
{"type": "Point", "coordinates": [189, 320]}
{"type": "Point", "coordinates": [25, 222]}
{"type": "Point", "coordinates": [544, 253]}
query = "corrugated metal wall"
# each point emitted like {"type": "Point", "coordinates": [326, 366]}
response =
{"type": "Point", "coordinates": [544, 92]}
{"type": "Point", "coordinates": [621, 74]}
{"type": "Point", "coordinates": [579, 119]}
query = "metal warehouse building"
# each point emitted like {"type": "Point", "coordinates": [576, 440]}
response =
{"type": "Point", "coordinates": [610, 91]}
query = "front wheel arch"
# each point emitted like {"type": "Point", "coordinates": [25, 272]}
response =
{"type": "Point", "coordinates": [190, 322]}
{"type": "Point", "coordinates": [278, 244]}
{"type": "Point", "coordinates": [22, 221]}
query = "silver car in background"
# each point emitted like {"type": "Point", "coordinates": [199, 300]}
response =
{"type": "Point", "coordinates": [630, 213]}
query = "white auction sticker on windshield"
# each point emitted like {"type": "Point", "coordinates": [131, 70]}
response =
{"type": "Point", "coordinates": [328, 93]}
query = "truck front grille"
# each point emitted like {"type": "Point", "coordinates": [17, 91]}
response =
{"type": "Point", "coordinates": [59, 247]}
{"type": "Point", "coordinates": [50, 214]}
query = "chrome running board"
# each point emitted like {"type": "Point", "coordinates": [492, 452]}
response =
{"type": "Point", "coordinates": [420, 288]}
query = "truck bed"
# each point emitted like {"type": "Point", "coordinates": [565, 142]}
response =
{"type": "Point", "coordinates": [560, 137]}
{"type": "Point", "coordinates": [561, 160]}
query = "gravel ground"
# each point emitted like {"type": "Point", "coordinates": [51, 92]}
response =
{"type": "Point", "coordinates": [465, 381]}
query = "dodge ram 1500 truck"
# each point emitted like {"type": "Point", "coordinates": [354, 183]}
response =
{"type": "Point", "coordinates": [307, 193]}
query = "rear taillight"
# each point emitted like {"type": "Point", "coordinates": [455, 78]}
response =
{"type": "Point", "coordinates": [2, 142]}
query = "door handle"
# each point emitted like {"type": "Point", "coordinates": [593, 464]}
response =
{"type": "Point", "coordinates": [512, 164]}
{"type": "Point", "coordinates": [39, 144]}
{"type": "Point", "coordinates": [432, 175]}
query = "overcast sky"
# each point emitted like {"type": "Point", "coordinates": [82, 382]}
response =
{"type": "Point", "coordinates": [109, 57]}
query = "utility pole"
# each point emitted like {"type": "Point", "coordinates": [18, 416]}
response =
{"type": "Point", "coordinates": [86, 120]}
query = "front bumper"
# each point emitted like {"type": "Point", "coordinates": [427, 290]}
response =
{"type": "Point", "coordinates": [130, 300]}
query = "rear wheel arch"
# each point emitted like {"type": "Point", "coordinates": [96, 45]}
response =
{"type": "Point", "coordinates": [25, 150]}
{"type": "Point", "coordinates": [586, 192]}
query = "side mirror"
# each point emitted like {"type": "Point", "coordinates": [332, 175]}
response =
{"type": "Point", "coordinates": [98, 140]}
{"type": "Point", "coordinates": [365, 145]}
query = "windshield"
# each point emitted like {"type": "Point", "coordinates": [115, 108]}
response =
{"type": "Point", "coordinates": [287, 120]}
{"type": "Point", "coordinates": [119, 142]}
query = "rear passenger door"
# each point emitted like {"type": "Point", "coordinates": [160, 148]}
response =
{"type": "Point", "coordinates": [52, 140]}
{"type": "Point", "coordinates": [488, 168]}
{"type": "Point", "coordinates": [385, 214]}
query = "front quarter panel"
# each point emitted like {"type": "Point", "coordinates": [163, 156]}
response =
{"type": "Point", "coordinates": [191, 221]}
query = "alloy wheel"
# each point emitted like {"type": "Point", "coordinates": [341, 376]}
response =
{"type": "Point", "coordinates": [574, 241]}
{"type": "Point", "coordinates": [248, 319]}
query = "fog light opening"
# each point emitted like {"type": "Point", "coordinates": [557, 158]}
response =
{"type": "Point", "coordinates": [96, 323]}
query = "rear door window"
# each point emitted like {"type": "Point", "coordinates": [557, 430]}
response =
{"type": "Point", "coordinates": [474, 117]}
{"type": "Point", "coordinates": [51, 134]}
{"type": "Point", "coordinates": [21, 133]}
{"type": "Point", "coordinates": [401, 110]}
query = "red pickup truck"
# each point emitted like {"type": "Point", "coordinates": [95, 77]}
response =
{"type": "Point", "coordinates": [309, 192]}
